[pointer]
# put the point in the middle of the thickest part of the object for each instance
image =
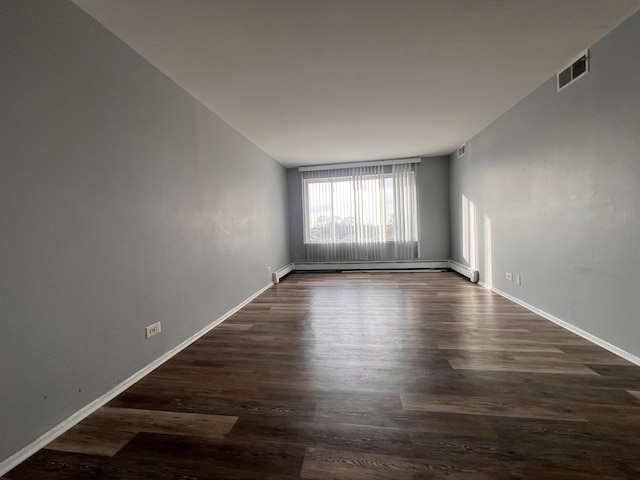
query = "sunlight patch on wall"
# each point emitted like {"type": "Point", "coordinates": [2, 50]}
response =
{"type": "Point", "coordinates": [469, 232]}
{"type": "Point", "coordinates": [488, 261]}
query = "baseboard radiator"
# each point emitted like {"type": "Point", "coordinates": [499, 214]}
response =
{"type": "Point", "coordinates": [472, 274]}
{"type": "Point", "coordinates": [278, 274]}
{"type": "Point", "coordinates": [434, 265]}
{"type": "Point", "coordinates": [371, 266]}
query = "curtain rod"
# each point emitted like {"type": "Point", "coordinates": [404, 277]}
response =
{"type": "Point", "coordinates": [334, 166]}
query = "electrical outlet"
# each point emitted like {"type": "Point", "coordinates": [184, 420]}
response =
{"type": "Point", "coordinates": [152, 330]}
{"type": "Point", "coordinates": [518, 280]}
{"type": "Point", "coordinates": [509, 276]}
{"type": "Point", "coordinates": [269, 269]}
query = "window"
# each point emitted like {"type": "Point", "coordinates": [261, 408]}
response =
{"type": "Point", "coordinates": [361, 213]}
{"type": "Point", "coordinates": [331, 210]}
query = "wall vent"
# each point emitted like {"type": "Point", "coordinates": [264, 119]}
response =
{"type": "Point", "coordinates": [462, 150]}
{"type": "Point", "coordinates": [578, 67]}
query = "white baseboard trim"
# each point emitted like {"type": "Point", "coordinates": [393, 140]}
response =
{"type": "Point", "coordinates": [430, 264]}
{"type": "Point", "coordinates": [567, 326]}
{"type": "Point", "coordinates": [49, 436]}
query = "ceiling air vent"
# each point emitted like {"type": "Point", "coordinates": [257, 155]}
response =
{"type": "Point", "coordinates": [578, 68]}
{"type": "Point", "coordinates": [462, 150]}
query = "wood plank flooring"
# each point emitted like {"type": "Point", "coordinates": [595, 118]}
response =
{"type": "Point", "coordinates": [367, 376]}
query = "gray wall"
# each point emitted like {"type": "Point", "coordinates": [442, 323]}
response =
{"type": "Point", "coordinates": [123, 201]}
{"type": "Point", "coordinates": [559, 178]}
{"type": "Point", "coordinates": [432, 182]}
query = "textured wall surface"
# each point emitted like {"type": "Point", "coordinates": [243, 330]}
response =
{"type": "Point", "coordinates": [554, 184]}
{"type": "Point", "coordinates": [123, 202]}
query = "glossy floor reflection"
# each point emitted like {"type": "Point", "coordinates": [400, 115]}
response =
{"type": "Point", "coordinates": [368, 376]}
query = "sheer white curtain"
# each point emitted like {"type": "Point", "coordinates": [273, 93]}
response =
{"type": "Point", "coordinates": [406, 211]}
{"type": "Point", "coordinates": [360, 213]}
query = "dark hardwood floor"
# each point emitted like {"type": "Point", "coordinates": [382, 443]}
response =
{"type": "Point", "coordinates": [368, 376]}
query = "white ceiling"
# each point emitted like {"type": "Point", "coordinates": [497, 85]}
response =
{"type": "Point", "coordinates": [326, 81]}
